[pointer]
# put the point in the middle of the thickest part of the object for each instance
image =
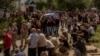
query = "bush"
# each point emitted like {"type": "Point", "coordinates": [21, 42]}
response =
{"type": "Point", "coordinates": [96, 37]}
{"type": "Point", "coordinates": [3, 25]}
{"type": "Point", "coordinates": [2, 19]}
{"type": "Point", "coordinates": [97, 3]}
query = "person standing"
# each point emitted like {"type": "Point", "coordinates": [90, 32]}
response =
{"type": "Point", "coordinates": [14, 30]}
{"type": "Point", "coordinates": [44, 25]}
{"type": "Point", "coordinates": [50, 48]}
{"type": "Point", "coordinates": [32, 42]}
{"type": "Point", "coordinates": [49, 31]}
{"type": "Point", "coordinates": [7, 42]}
{"type": "Point", "coordinates": [57, 25]}
{"type": "Point", "coordinates": [42, 42]}
{"type": "Point", "coordinates": [29, 26]}
{"type": "Point", "coordinates": [84, 30]}
{"type": "Point", "coordinates": [24, 33]}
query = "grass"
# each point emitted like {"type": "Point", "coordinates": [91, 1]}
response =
{"type": "Point", "coordinates": [96, 37]}
{"type": "Point", "coordinates": [97, 44]}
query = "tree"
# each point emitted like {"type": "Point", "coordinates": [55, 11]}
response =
{"type": "Point", "coordinates": [40, 5]}
{"type": "Point", "coordinates": [65, 4]}
{"type": "Point", "coordinates": [6, 4]}
{"type": "Point", "coordinates": [97, 3]}
{"type": "Point", "coordinates": [71, 4]}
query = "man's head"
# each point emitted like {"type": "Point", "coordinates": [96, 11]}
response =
{"type": "Point", "coordinates": [33, 30]}
{"type": "Point", "coordinates": [38, 30]}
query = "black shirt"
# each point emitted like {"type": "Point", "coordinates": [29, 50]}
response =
{"type": "Point", "coordinates": [57, 21]}
{"type": "Point", "coordinates": [86, 34]}
{"type": "Point", "coordinates": [65, 42]}
{"type": "Point", "coordinates": [80, 45]}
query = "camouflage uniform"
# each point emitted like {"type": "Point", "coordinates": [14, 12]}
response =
{"type": "Point", "coordinates": [14, 35]}
{"type": "Point", "coordinates": [24, 33]}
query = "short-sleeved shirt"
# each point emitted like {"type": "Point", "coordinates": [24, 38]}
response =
{"type": "Point", "coordinates": [7, 41]}
{"type": "Point", "coordinates": [33, 38]}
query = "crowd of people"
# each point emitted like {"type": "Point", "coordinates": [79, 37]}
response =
{"type": "Point", "coordinates": [41, 33]}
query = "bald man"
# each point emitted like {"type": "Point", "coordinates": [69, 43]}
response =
{"type": "Point", "coordinates": [32, 41]}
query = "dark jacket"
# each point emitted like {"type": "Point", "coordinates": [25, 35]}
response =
{"type": "Point", "coordinates": [80, 45]}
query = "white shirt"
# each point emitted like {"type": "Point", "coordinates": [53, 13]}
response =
{"type": "Point", "coordinates": [33, 38]}
{"type": "Point", "coordinates": [49, 44]}
{"type": "Point", "coordinates": [42, 40]}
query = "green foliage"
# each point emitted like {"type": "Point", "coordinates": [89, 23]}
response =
{"type": "Point", "coordinates": [40, 5]}
{"type": "Point", "coordinates": [3, 25]}
{"type": "Point", "coordinates": [97, 3]}
{"type": "Point", "coordinates": [96, 37]}
{"type": "Point", "coordinates": [19, 20]}
{"type": "Point", "coordinates": [6, 4]}
{"type": "Point", "coordinates": [97, 34]}
{"type": "Point", "coordinates": [64, 4]}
